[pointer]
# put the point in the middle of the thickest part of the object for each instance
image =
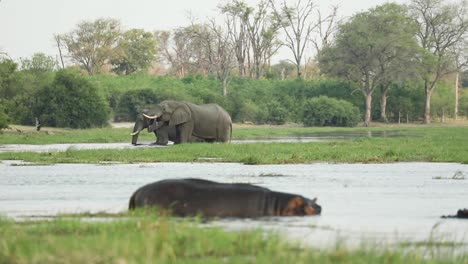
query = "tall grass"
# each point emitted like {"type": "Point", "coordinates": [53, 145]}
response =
{"type": "Point", "coordinates": [157, 239]}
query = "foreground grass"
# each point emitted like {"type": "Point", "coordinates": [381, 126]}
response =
{"type": "Point", "coordinates": [434, 144]}
{"type": "Point", "coordinates": [152, 239]}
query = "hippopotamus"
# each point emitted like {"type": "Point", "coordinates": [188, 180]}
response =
{"type": "Point", "coordinates": [190, 197]}
{"type": "Point", "coordinates": [462, 213]}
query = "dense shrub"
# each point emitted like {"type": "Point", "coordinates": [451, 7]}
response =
{"type": "Point", "coordinates": [3, 116]}
{"type": "Point", "coordinates": [463, 103]}
{"type": "Point", "coordinates": [325, 111]}
{"type": "Point", "coordinates": [8, 78]}
{"type": "Point", "coordinates": [276, 113]}
{"type": "Point", "coordinates": [404, 101]}
{"type": "Point", "coordinates": [20, 107]}
{"type": "Point", "coordinates": [132, 102]}
{"type": "Point", "coordinates": [71, 101]}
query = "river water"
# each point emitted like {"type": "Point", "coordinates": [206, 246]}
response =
{"type": "Point", "coordinates": [385, 203]}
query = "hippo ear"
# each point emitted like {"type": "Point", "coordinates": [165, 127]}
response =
{"type": "Point", "coordinates": [294, 204]}
{"type": "Point", "coordinates": [314, 200]}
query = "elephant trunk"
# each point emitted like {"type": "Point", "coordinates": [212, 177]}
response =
{"type": "Point", "coordinates": [136, 131]}
{"type": "Point", "coordinates": [134, 139]}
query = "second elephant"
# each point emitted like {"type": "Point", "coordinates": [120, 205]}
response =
{"type": "Point", "coordinates": [163, 132]}
{"type": "Point", "coordinates": [209, 122]}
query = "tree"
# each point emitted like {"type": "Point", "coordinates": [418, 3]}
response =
{"type": "Point", "coordinates": [222, 56]}
{"type": "Point", "coordinates": [215, 42]}
{"type": "Point", "coordinates": [368, 48]}
{"type": "Point", "coordinates": [260, 30]}
{"type": "Point", "coordinates": [70, 101]}
{"type": "Point", "coordinates": [298, 24]}
{"type": "Point", "coordinates": [441, 29]}
{"type": "Point", "coordinates": [399, 55]}
{"type": "Point", "coordinates": [38, 63]}
{"type": "Point", "coordinates": [3, 117]}
{"type": "Point", "coordinates": [60, 45]}
{"type": "Point", "coordinates": [7, 78]}
{"type": "Point", "coordinates": [442, 101]}
{"type": "Point", "coordinates": [237, 32]}
{"type": "Point", "coordinates": [184, 51]}
{"type": "Point", "coordinates": [135, 51]}
{"type": "Point", "coordinates": [325, 29]}
{"type": "Point", "coordinates": [92, 43]}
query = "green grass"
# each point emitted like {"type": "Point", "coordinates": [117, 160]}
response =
{"type": "Point", "coordinates": [145, 238]}
{"type": "Point", "coordinates": [112, 135]}
{"type": "Point", "coordinates": [96, 135]}
{"type": "Point", "coordinates": [433, 144]}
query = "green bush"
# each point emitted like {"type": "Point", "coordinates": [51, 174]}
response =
{"type": "Point", "coordinates": [247, 112]}
{"type": "Point", "coordinates": [463, 103]}
{"type": "Point", "coordinates": [325, 111]}
{"type": "Point", "coordinates": [132, 102]}
{"type": "Point", "coordinates": [276, 113]}
{"type": "Point", "coordinates": [71, 101]}
{"type": "Point", "coordinates": [3, 116]}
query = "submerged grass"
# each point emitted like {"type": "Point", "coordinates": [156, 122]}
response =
{"type": "Point", "coordinates": [147, 238]}
{"type": "Point", "coordinates": [433, 144]}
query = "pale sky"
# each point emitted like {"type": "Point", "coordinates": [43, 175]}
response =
{"type": "Point", "coordinates": [28, 26]}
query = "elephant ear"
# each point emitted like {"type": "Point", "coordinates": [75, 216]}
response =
{"type": "Point", "coordinates": [181, 115]}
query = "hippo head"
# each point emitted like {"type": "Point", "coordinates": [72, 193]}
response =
{"type": "Point", "coordinates": [300, 206]}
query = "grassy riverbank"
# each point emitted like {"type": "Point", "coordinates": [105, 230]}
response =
{"type": "Point", "coordinates": [419, 143]}
{"type": "Point", "coordinates": [152, 239]}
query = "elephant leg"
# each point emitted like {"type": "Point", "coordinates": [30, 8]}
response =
{"type": "Point", "coordinates": [156, 136]}
{"type": "Point", "coordinates": [183, 133]}
{"type": "Point", "coordinates": [163, 134]}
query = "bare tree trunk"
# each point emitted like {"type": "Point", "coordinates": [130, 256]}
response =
{"type": "Point", "coordinates": [298, 69]}
{"type": "Point", "coordinates": [383, 106]}
{"type": "Point", "coordinates": [57, 40]}
{"type": "Point", "coordinates": [367, 116]}
{"type": "Point", "coordinates": [241, 67]}
{"type": "Point", "coordinates": [225, 84]}
{"type": "Point", "coordinates": [456, 95]}
{"type": "Point", "coordinates": [399, 117]}
{"type": "Point", "coordinates": [427, 106]}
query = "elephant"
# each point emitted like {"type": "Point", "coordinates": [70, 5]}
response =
{"type": "Point", "coordinates": [163, 132]}
{"type": "Point", "coordinates": [191, 197]}
{"type": "Point", "coordinates": [209, 122]}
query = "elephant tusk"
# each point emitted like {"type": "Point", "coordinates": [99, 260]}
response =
{"type": "Point", "coordinates": [135, 133]}
{"type": "Point", "coordinates": [150, 117]}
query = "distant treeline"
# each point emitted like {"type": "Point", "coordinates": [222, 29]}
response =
{"type": "Point", "coordinates": [67, 98]}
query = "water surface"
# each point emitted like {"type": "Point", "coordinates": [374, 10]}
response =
{"type": "Point", "coordinates": [361, 202]}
